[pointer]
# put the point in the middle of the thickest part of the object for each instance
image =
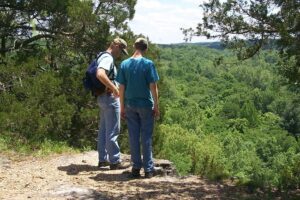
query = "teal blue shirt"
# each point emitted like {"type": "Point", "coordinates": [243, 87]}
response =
{"type": "Point", "coordinates": [136, 74]}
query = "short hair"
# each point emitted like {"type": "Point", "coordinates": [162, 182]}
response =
{"type": "Point", "coordinates": [141, 44]}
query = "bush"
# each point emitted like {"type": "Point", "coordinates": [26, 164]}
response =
{"type": "Point", "coordinates": [176, 144]}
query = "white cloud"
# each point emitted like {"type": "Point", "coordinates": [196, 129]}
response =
{"type": "Point", "coordinates": [149, 4]}
{"type": "Point", "coordinates": [161, 20]}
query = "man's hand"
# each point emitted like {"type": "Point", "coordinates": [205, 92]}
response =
{"type": "Point", "coordinates": [154, 92]}
{"type": "Point", "coordinates": [122, 111]}
{"type": "Point", "coordinates": [116, 92]}
{"type": "Point", "coordinates": [101, 75]}
{"type": "Point", "coordinates": [122, 105]}
{"type": "Point", "coordinates": [156, 112]}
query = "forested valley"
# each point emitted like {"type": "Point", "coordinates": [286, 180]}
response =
{"type": "Point", "coordinates": [221, 118]}
{"type": "Point", "coordinates": [235, 119]}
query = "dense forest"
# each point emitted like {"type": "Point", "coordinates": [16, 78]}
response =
{"type": "Point", "coordinates": [221, 118]}
{"type": "Point", "coordinates": [236, 119]}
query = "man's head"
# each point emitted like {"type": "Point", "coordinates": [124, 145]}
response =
{"type": "Point", "coordinates": [118, 45]}
{"type": "Point", "coordinates": [141, 44]}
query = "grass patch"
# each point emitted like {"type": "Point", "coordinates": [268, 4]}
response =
{"type": "Point", "coordinates": [10, 144]}
{"type": "Point", "coordinates": [3, 145]}
{"type": "Point", "coordinates": [49, 147]}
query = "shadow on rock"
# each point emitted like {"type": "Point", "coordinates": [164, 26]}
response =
{"type": "Point", "coordinates": [119, 177]}
{"type": "Point", "coordinates": [171, 190]}
{"type": "Point", "coordinates": [181, 190]}
{"type": "Point", "coordinates": [74, 169]}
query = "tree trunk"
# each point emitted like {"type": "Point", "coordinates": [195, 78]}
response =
{"type": "Point", "coordinates": [3, 46]}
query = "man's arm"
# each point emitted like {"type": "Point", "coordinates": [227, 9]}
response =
{"type": "Point", "coordinates": [154, 92]}
{"type": "Point", "coordinates": [122, 104]}
{"type": "Point", "coordinates": [101, 75]}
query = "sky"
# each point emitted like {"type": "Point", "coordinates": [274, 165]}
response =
{"type": "Point", "coordinates": [161, 20]}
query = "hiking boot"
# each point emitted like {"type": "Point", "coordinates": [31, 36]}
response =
{"type": "Point", "coordinates": [103, 164]}
{"type": "Point", "coordinates": [135, 173]}
{"type": "Point", "coordinates": [118, 166]}
{"type": "Point", "coordinates": [149, 174]}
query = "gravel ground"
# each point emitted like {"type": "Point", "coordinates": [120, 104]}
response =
{"type": "Point", "coordinates": [76, 176]}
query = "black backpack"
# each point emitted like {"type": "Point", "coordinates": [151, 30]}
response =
{"type": "Point", "coordinates": [91, 82]}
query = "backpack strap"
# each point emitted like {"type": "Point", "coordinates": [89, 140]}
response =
{"type": "Point", "coordinates": [111, 70]}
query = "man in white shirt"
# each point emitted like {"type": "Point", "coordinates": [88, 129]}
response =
{"type": "Point", "coordinates": [109, 103]}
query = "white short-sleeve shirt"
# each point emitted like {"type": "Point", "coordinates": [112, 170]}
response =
{"type": "Point", "coordinates": [106, 62]}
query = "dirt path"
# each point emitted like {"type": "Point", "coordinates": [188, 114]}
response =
{"type": "Point", "coordinates": [77, 177]}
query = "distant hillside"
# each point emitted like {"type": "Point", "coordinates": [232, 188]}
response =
{"type": "Point", "coordinates": [213, 45]}
{"type": "Point", "coordinates": [218, 45]}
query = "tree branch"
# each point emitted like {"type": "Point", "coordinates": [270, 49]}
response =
{"type": "Point", "coordinates": [18, 44]}
{"type": "Point", "coordinates": [38, 28]}
{"type": "Point", "coordinates": [98, 8]}
{"type": "Point", "coordinates": [36, 37]}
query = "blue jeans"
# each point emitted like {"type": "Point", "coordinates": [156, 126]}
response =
{"type": "Point", "coordinates": [109, 129]}
{"type": "Point", "coordinates": [140, 122]}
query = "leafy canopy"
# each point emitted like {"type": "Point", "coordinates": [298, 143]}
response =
{"type": "Point", "coordinates": [247, 26]}
{"type": "Point", "coordinates": [80, 24]}
{"type": "Point", "coordinates": [45, 47]}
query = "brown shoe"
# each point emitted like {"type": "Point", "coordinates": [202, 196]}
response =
{"type": "Point", "coordinates": [149, 174]}
{"type": "Point", "coordinates": [119, 166]}
{"type": "Point", "coordinates": [135, 173]}
{"type": "Point", "coordinates": [103, 164]}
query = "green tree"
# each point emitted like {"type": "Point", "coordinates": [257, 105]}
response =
{"type": "Point", "coordinates": [228, 120]}
{"type": "Point", "coordinates": [249, 112]}
{"type": "Point", "coordinates": [82, 25]}
{"type": "Point", "coordinates": [247, 26]}
{"type": "Point", "coordinates": [45, 47]}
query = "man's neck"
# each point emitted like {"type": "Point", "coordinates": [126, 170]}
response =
{"type": "Point", "coordinates": [109, 50]}
{"type": "Point", "coordinates": [137, 54]}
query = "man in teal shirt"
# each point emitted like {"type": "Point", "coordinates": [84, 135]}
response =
{"type": "Point", "coordinates": [139, 105]}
